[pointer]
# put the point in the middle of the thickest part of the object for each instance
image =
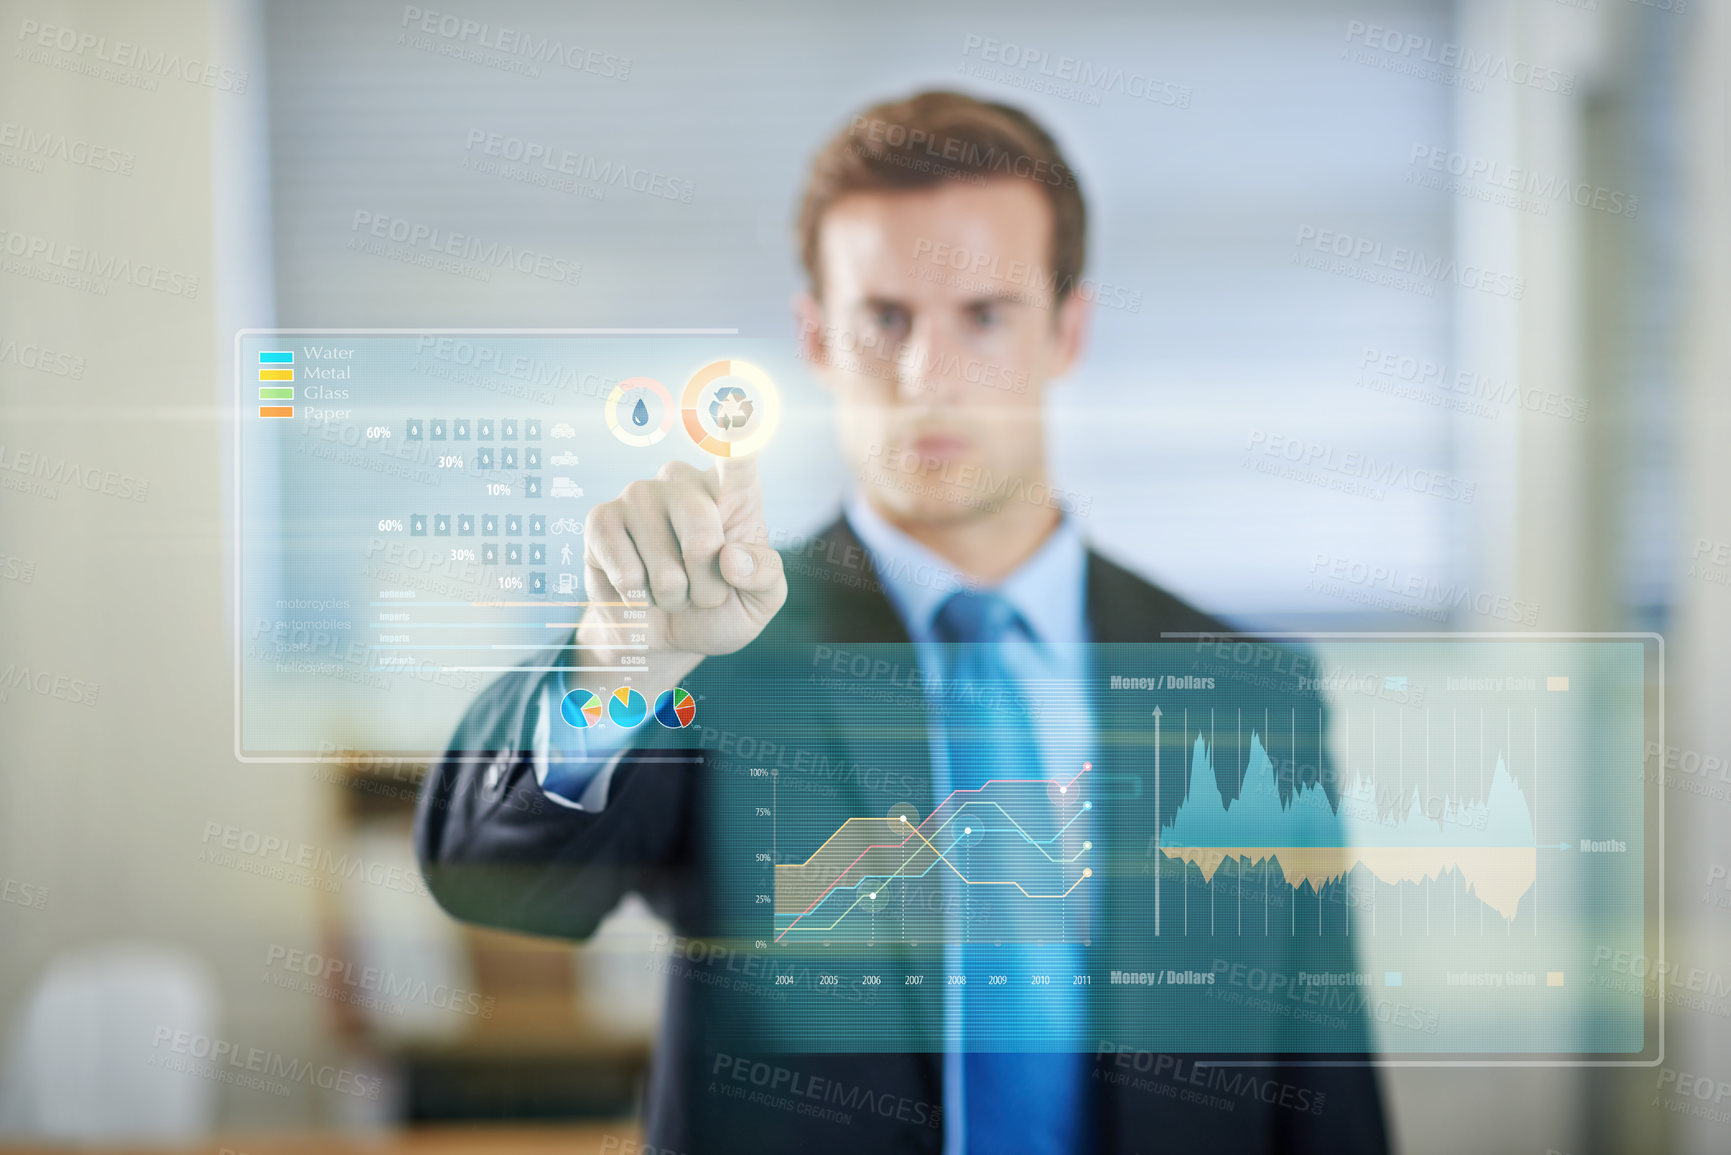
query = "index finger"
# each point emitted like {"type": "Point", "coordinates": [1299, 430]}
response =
{"type": "Point", "coordinates": [737, 474]}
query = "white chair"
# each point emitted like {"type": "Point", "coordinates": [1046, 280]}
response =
{"type": "Point", "coordinates": [84, 1059]}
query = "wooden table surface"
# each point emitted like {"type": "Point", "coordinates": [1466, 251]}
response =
{"type": "Point", "coordinates": [587, 1139]}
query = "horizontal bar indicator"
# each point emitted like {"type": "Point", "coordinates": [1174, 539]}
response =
{"type": "Point", "coordinates": [276, 410]}
{"type": "Point", "coordinates": [276, 393]}
{"type": "Point", "coordinates": [276, 357]}
{"type": "Point", "coordinates": [276, 374]}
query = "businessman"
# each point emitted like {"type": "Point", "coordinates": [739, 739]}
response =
{"type": "Point", "coordinates": [943, 241]}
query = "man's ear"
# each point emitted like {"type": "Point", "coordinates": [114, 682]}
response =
{"type": "Point", "coordinates": [1075, 317]}
{"type": "Point", "coordinates": [808, 315]}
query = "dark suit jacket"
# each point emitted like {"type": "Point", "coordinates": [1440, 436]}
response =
{"type": "Point", "coordinates": [676, 830]}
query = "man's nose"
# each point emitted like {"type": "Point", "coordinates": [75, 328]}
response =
{"type": "Point", "coordinates": [928, 364]}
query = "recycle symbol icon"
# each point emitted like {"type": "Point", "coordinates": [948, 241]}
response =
{"type": "Point", "coordinates": [730, 408]}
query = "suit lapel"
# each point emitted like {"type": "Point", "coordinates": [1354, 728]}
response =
{"type": "Point", "coordinates": [847, 603]}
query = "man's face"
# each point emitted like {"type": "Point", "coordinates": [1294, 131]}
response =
{"type": "Point", "coordinates": [937, 334]}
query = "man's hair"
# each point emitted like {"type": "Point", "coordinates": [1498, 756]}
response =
{"type": "Point", "coordinates": [934, 137]}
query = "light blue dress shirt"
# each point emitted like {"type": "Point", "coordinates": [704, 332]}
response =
{"type": "Point", "coordinates": [1049, 592]}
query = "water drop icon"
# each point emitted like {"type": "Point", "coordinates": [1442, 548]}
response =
{"type": "Point", "coordinates": [640, 414]}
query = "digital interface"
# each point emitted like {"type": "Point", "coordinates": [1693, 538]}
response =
{"type": "Point", "coordinates": [1445, 842]}
{"type": "Point", "coordinates": [410, 510]}
{"type": "Point", "coordinates": [1410, 847]}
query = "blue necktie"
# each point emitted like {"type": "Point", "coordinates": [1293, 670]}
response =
{"type": "Point", "coordinates": [1013, 1100]}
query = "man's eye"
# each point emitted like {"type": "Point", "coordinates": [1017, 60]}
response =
{"type": "Point", "coordinates": [988, 316]}
{"type": "Point", "coordinates": [889, 318]}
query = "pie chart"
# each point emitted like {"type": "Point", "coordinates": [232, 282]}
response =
{"type": "Point", "coordinates": [581, 708]}
{"type": "Point", "coordinates": [627, 708]}
{"type": "Point", "coordinates": [675, 709]}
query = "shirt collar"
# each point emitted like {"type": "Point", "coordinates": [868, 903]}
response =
{"type": "Point", "coordinates": [1049, 590]}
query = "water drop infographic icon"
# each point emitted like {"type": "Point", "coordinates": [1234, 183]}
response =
{"type": "Point", "coordinates": [640, 411]}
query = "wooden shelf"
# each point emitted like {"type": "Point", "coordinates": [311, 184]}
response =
{"type": "Point", "coordinates": [572, 1140]}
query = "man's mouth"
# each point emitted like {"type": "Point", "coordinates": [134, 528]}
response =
{"type": "Point", "coordinates": [941, 446]}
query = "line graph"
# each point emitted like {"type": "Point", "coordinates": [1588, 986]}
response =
{"type": "Point", "coordinates": [1422, 847]}
{"type": "Point", "coordinates": [1269, 823]}
{"type": "Point", "coordinates": [1024, 840]}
